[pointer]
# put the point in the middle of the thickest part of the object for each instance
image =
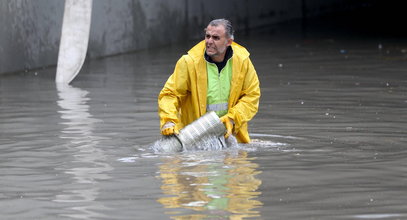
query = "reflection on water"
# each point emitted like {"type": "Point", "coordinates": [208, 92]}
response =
{"type": "Point", "coordinates": [212, 186]}
{"type": "Point", "coordinates": [88, 165]}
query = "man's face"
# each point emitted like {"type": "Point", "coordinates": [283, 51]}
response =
{"type": "Point", "coordinates": [216, 41]}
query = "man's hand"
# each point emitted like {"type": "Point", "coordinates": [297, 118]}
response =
{"type": "Point", "coordinates": [228, 122]}
{"type": "Point", "coordinates": [169, 129]}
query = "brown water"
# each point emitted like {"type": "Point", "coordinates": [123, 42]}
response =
{"type": "Point", "coordinates": [329, 141]}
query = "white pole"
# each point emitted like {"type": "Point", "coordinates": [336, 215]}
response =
{"type": "Point", "coordinates": [74, 39]}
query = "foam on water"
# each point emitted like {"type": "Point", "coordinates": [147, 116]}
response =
{"type": "Point", "coordinates": [377, 216]}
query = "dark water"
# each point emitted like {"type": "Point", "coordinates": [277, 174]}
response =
{"type": "Point", "coordinates": [329, 141]}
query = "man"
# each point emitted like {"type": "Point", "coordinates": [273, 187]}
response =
{"type": "Point", "coordinates": [216, 75]}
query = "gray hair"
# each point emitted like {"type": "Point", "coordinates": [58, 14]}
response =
{"type": "Point", "coordinates": [226, 24]}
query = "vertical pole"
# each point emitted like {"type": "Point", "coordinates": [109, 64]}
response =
{"type": "Point", "coordinates": [74, 39]}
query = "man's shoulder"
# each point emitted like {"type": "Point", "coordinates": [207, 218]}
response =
{"type": "Point", "coordinates": [186, 58]}
{"type": "Point", "coordinates": [240, 50]}
{"type": "Point", "coordinates": [197, 51]}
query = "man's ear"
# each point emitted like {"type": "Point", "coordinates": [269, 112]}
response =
{"type": "Point", "coordinates": [230, 41]}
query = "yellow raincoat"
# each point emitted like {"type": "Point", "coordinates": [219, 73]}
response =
{"type": "Point", "coordinates": [183, 98]}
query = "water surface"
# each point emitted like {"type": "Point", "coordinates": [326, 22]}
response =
{"type": "Point", "coordinates": [329, 141]}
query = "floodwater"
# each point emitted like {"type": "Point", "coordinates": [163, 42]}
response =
{"type": "Point", "coordinates": [329, 140]}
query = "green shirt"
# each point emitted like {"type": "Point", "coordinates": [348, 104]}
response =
{"type": "Point", "coordinates": [218, 87]}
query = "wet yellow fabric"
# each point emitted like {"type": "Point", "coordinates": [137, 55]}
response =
{"type": "Point", "coordinates": [183, 98]}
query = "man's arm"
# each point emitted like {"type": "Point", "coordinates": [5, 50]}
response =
{"type": "Point", "coordinates": [171, 96]}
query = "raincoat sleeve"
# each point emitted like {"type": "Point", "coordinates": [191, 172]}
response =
{"type": "Point", "coordinates": [247, 103]}
{"type": "Point", "coordinates": [171, 96]}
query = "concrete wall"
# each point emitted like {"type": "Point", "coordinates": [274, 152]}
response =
{"type": "Point", "coordinates": [30, 29]}
{"type": "Point", "coordinates": [29, 33]}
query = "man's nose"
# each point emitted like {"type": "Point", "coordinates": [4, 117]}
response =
{"type": "Point", "coordinates": [209, 40]}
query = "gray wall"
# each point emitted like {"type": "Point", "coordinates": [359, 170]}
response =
{"type": "Point", "coordinates": [30, 29]}
{"type": "Point", "coordinates": [29, 33]}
